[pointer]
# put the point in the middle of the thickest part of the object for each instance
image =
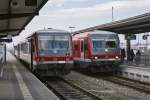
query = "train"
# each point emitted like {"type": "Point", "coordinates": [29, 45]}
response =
{"type": "Point", "coordinates": [96, 51]}
{"type": "Point", "coordinates": [48, 52]}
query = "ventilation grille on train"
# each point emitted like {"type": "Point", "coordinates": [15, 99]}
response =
{"type": "Point", "coordinates": [30, 2]}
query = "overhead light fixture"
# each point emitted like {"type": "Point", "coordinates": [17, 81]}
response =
{"type": "Point", "coordinates": [14, 4]}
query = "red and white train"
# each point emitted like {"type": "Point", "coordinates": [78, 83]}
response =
{"type": "Point", "coordinates": [48, 52]}
{"type": "Point", "coordinates": [98, 51]}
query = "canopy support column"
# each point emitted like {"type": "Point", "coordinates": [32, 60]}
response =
{"type": "Point", "coordinates": [128, 47]}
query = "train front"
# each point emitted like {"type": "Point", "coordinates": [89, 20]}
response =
{"type": "Point", "coordinates": [54, 53]}
{"type": "Point", "coordinates": [105, 50]}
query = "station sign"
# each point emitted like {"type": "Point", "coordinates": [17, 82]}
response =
{"type": "Point", "coordinates": [130, 37]}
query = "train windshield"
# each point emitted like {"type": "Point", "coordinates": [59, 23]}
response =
{"type": "Point", "coordinates": [54, 44]}
{"type": "Point", "coordinates": [111, 44]}
{"type": "Point", "coordinates": [97, 44]}
{"type": "Point", "coordinates": [101, 41]}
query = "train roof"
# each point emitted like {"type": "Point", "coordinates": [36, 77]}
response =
{"type": "Point", "coordinates": [50, 30]}
{"type": "Point", "coordinates": [101, 32]}
{"type": "Point", "coordinates": [96, 32]}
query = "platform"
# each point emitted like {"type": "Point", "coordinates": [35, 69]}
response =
{"type": "Point", "coordinates": [17, 83]}
{"type": "Point", "coordinates": [135, 72]}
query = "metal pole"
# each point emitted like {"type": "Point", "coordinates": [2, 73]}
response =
{"type": "Point", "coordinates": [147, 56]}
{"type": "Point", "coordinates": [146, 50]}
{"type": "Point", "coordinates": [71, 28]}
{"type": "Point", "coordinates": [128, 42]}
{"type": "Point", "coordinates": [4, 53]}
{"type": "Point", "coordinates": [112, 13]}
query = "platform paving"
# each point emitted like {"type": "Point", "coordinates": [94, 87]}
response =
{"type": "Point", "coordinates": [17, 83]}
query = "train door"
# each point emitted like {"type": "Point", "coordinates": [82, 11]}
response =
{"type": "Point", "coordinates": [31, 46]}
{"type": "Point", "coordinates": [83, 48]}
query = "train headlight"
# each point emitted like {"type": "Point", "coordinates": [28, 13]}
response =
{"type": "Point", "coordinates": [96, 57]}
{"type": "Point", "coordinates": [117, 57]}
{"type": "Point", "coordinates": [106, 50]}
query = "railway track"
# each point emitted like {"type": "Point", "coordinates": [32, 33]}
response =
{"type": "Point", "coordinates": [128, 82]}
{"type": "Point", "coordinates": [68, 91]}
{"type": "Point", "coordinates": [140, 86]}
{"type": "Point", "coordinates": [105, 89]}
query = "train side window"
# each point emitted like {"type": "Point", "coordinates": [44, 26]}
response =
{"type": "Point", "coordinates": [25, 47]}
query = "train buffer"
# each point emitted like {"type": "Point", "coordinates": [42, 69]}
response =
{"type": "Point", "coordinates": [17, 83]}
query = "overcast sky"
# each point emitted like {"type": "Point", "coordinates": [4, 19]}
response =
{"type": "Point", "coordinates": [82, 14]}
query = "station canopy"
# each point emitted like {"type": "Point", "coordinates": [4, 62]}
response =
{"type": "Point", "coordinates": [16, 14]}
{"type": "Point", "coordinates": [132, 25]}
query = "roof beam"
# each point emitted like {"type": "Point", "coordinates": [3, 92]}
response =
{"type": "Point", "coordinates": [16, 15]}
{"type": "Point", "coordinates": [5, 35]}
{"type": "Point", "coordinates": [8, 30]}
{"type": "Point", "coordinates": [129, 25]}
{"type": "Point", "coordinates": [36, 11]}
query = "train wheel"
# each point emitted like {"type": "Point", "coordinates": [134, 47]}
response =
{"type": "Point", "coordinates": [93, 69]}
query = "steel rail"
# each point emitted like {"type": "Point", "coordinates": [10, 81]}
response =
{"type": "Point", "coordinates": [68, 91]}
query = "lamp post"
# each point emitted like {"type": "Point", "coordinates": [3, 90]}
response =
{"type": "Point", "coordinates": [71, 28]}
{"type": "Point", "coordinates": [112, 13]}
{"type": "Point", "coordinates": [145, 37]}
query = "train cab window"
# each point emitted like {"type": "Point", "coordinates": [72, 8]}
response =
{"type": "Point", "coordinates": [111, 44]}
